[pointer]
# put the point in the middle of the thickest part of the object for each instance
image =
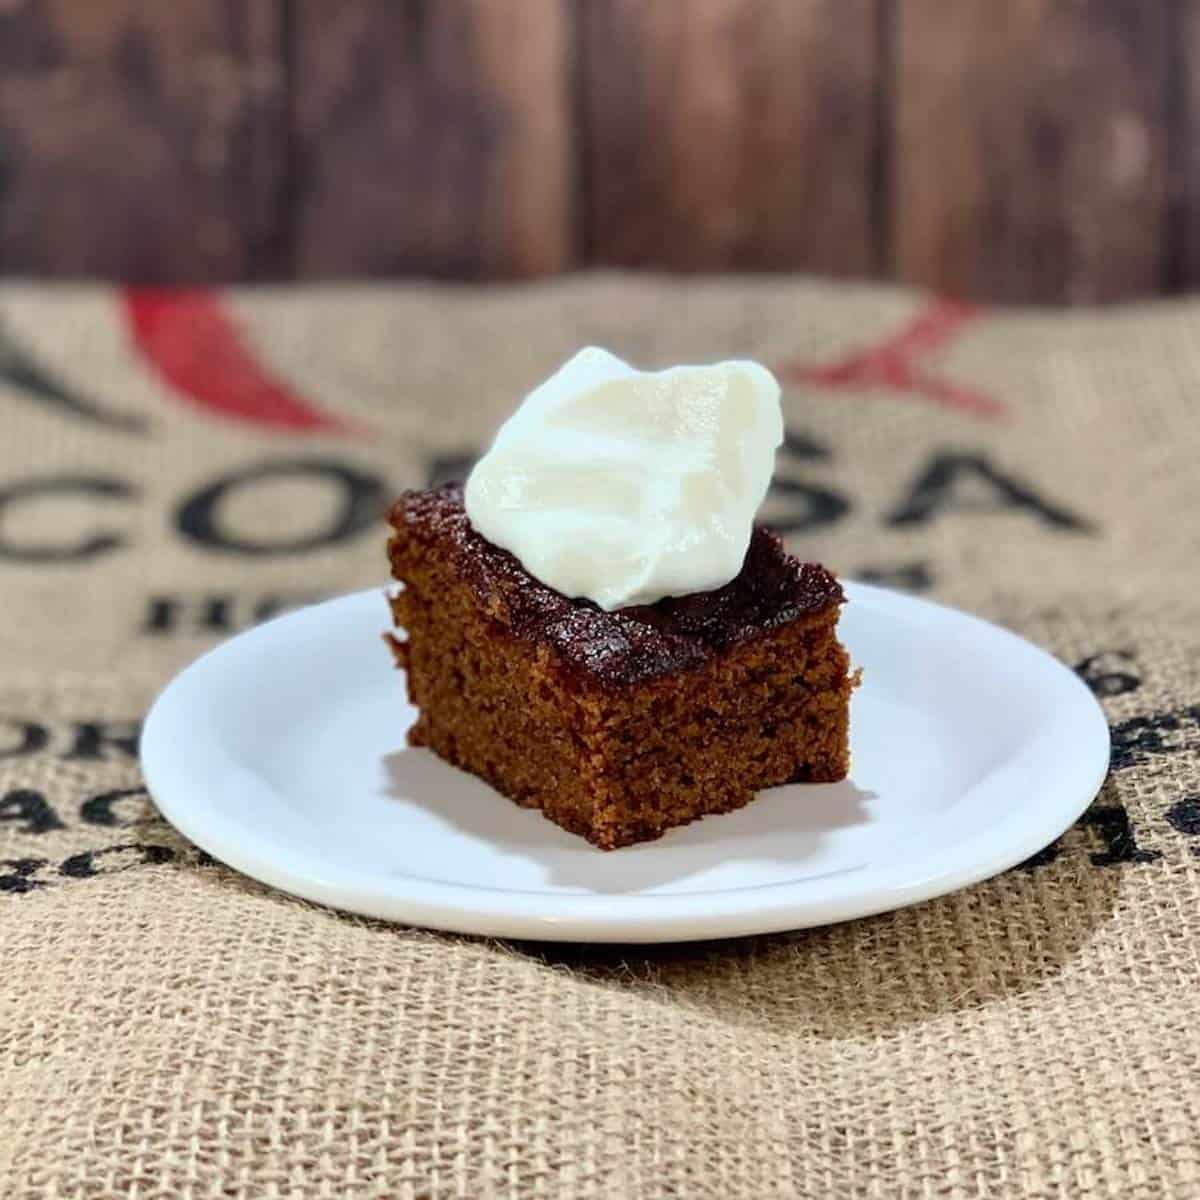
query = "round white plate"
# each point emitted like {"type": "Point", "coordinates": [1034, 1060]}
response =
{"type": "Point", "coordinates": [282, 753]}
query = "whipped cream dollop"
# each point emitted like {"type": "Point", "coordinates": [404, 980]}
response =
{"type": "Point", "coordinates": [626, 486]}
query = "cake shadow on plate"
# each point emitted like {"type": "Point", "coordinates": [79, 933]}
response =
{"type": "Point", "coordinates": [776, 828]}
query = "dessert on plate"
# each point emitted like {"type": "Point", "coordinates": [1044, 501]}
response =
{"type": "Point", "coordinates": [595, 626]}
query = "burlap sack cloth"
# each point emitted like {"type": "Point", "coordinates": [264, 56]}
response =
{"type": "Point", "coordinates": [172, 467]}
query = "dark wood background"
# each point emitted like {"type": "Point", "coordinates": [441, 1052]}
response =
{"type": "Point", "coordinates": [1008, 150]}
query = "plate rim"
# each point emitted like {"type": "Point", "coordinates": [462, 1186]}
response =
{"type": "Point", "coordinates": [612, 918]}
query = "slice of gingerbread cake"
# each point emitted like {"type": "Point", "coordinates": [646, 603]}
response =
{"type": "Point", "coordinates": [617, 725]}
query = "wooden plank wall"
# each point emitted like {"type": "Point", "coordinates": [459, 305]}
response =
{"type": "Point", "coordinates": [727, 134]}
{"type": "Point", "coordinates": [141, 139]}
{"type": "Point", "coordinates": [1028, 151]}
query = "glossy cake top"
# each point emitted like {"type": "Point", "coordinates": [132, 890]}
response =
{"type": "Point", "coordinates": [631, 644]}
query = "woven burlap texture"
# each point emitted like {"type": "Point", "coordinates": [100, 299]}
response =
{"type": "Point", "coordinates": [171, 1029]}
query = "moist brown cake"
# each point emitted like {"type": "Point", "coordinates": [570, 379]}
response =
{"type": "Point", "coordinates": [616, 725]}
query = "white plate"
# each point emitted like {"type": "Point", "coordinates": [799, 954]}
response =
{"type": "Point", "coordinates": [282, 753]}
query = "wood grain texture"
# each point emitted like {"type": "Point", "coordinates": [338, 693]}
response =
{"type": "Point", "coordinates": [138, 139]}
{"type": "Point", "coordinates": [1024, 151]}
{"type": "Point", "coordinates": [1028, 143]}
{"type": "Point", "coordinates": [731, 133]}
{"type": "Point", "coordinates": [1183, 263]}
{"type": "Point", "coordinates": [433, 136]}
